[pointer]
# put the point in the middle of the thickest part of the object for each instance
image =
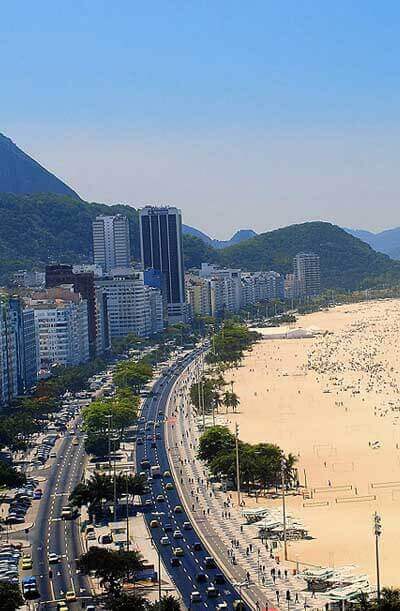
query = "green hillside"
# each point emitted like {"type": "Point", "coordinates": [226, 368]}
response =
{"type": "Point", "coordinates": [346, 261]}
{"type": "Point", "coordinates": [38, 229]}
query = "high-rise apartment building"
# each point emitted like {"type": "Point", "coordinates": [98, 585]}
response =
{"type": "Point", "coordinates": [161, 248]}
{"type": "Point", "coordinates": [83, 283]}
{"type": "Point", "coordinates": [8, 356]}
{"type": "Point", "coordinates": [132, 306]}
{"type": "Point", "coordinates": [307, 273]}
{"type": "Point", "coordinates": [23, 323]}
{"type": "Point", "coordinates": [61, 322]}
{"type": "Point", "coordinates": [18, 349]}
{"type": "Point", "coordinates": [111, 242]}
{"type": "Point", "coordinates": [198, 295]}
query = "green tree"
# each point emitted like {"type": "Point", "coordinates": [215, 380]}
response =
{"type": "Point", "coordinates": [97, 444]}
{"type": "Point", "coordinates": [215, 440]}
{"type": "Point", "coordinates": [133, 374]}
{"type": "Point", "coordinates": [134, 484]}
{"type": "Point", "coordinates": [128, 602]}
{"type": "Point", "coordinates": [10, 477]}
{"type": "Point", "coordinates": [168, 603]}
{"type": "Point", "coordinates": [110, 567]}
{"type": "Point", "coordinates": [10, 597]}
{"type": "Point", "coordinates": [230, 399]}
{"type": "Point", "coordinates": [93, 493]}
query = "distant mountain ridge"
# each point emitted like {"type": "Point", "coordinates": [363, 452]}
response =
{"type": "Point", "coordinates": [239, 236]}
{"type": "Point", "coordinates": [20, 174]}
{"type": "Point", "coordinates": [387, 241]}
{"type": "Point", "coordinates": [59, 228]}
{"type": "Point", "coordinates": [42, 220]}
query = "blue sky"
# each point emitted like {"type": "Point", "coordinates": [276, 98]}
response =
{"type": "Point", "coordinates": [253, 114]}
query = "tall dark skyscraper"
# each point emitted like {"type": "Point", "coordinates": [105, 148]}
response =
{"type": "Point", "coordinates": [161, 247]}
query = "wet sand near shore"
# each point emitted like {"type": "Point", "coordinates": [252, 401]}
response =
{"type": "Point", "coordinates": [334, 401]}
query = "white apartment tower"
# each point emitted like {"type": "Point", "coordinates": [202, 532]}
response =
{"type": "Point", "coordinates": [61, 320]}
{"type": "Point", "coordinates": [307, 273]}
{"type": "Point", "coordinates": [111, 244]}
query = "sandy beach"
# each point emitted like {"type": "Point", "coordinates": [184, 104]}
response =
{"type": "Point", "coordinates": [334, 401]}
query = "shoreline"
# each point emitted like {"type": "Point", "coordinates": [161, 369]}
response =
{"type": "Point", "coordinates": [334, 401]}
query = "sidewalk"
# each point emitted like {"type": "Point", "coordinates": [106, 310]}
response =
{"type": "Point", "coordinates": [234, 544]}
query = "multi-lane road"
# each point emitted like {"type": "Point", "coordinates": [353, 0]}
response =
{"type": "Point", "coordinates": [193, 563]}
{"type": "Point", "coordinates": [52, 534]}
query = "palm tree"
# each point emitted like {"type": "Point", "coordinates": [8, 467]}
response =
{"type": "Point", "coordinates": [290, 471]}
{"type": "Point", "coordinates": [93, 493]}
{"type": "Point", "coordinates": [235, 402]}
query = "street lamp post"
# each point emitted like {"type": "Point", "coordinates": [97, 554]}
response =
{"type": "Point", "coordinates": [377, 532]}
{"type": "Point", "coordinates": [237, 462]}
{"type": "Point", "coordinates": [284, 507]}
{"type": "Point", "coordinates": [127, 511]}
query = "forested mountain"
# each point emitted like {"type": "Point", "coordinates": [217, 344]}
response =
{"type": "Point", "coordinates": [346, 261]}
{"type": "Point", "coordinates": [20, 174]}
{"type": "Point", "coordinates": [38, 229]}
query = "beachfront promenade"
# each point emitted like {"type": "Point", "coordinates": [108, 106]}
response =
{"type": "Point", "coordinates": [263, 580]}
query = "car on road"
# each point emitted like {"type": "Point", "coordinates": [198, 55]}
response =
{"type": "Point", "coordinates": [174, 561]}
{"type": "Point", "coordinates": [67, 512]}
{"type": "Point", "coordinates": [168, 527]}
{"type": "Point", "coordinates": [139, 441]}
{"type": "Point", "coordinates": [75, 442]}
{"type": "Point", "coordinates": [178, 509]}
{"type": "Point", "coordinates": [54, 558]}
{"type": "Point", "coordinates": [177, 534]}
{"type": "Point", "coordinates": [187, 526]}
{"type": "Point", "coordinates": [29, 587]}
{"type": "Point", "coordinates": [178, 551]}
{"type": "Point", "coordinates": [70, 596]}
{"type": "Point", "coordinates": [91, 536]}
{"type": "Point", "coordinates": [160, 498]}
{"type": "Point", "coordinates": [61, 606]}
{"type": "Point", "coordinates": [209, 562]}
{"type": "Point", "coordinates": [221, 606]}
{"type": "Point", "coordinates": [14, 519]}
{"type": "Point", "coordinates": [212, 591]}
{"type": "Point", "coordinates": [195, 597]}
{"type": "Point", "coordinates": [201, 577]}
{"type": "Point", "coordinates": [197, 546]}
{"type": "Point", "coordinates": [26, 563]}
{"type": "Point", "coordinates": [169, 486]}
{"type": "Point", "coordinates": [148, 503]}
{"type": "Point", "coordinates": [154, 524]}
{"type": "Point", "coordinates": [164, 541]}
{"type": "Point", "coordinates": [219, 578]}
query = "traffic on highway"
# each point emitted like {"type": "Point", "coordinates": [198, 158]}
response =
{"type": "Point", "coordinates": [195, 572]}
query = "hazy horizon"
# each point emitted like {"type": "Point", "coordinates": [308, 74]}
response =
{"type": "Point", "coordinates": [242, 117]}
